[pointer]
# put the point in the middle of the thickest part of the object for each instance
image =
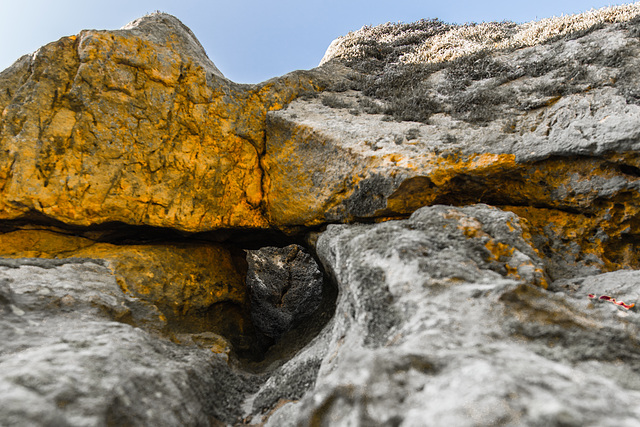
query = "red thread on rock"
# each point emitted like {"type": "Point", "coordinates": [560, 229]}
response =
{"type": "Point", "coordinates": [613, 300]}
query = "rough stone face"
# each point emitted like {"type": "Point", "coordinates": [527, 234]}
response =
{"type": "Point", "coordinates": [68, 359]}
{"type": "Point", "coordinates": [138, 126]}
{"type": "Point", "coordinates": [472, 193]}
{"type": "Point", "coordinates": [284, 286]}
{"type": "Point", "coordinates": [548, 130]}
{"type": "Point", "coordinates": [432, 325]}
{"type": "Point", "coordinates": [195, 285]}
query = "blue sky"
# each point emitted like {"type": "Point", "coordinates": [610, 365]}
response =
{"type": "Point", "coordinates": [249, 40]}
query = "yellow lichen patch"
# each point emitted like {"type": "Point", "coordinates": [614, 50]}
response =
{"type": "Point", "coordinates": [185, 278]}
{"type": "Point", "coordinates": [214, 342]}
{"type": "Point", "coordinates": [61, 124]}
{"type": "Point", "coordinates": [469, 226]}
{"type": "Point", "coordinates": [499, 251]}
{"type": "Point", "coordinates": [442, 179]}
{"type": "Point", "coordinates": [299, 180]}
{"type": "Point", "coordinates": [40, 244]}
{"type": "Point", "coordinates": [119, 126]}
{"type": "Point", "coordinates": [502, 256]}
{"type": "Point", "coordinates": [518, 268]}
{"type": "Point", "coordinates": [478, 164]}
{"type": "Point", "coordinates": [180, 279]}
{"type": "Point", "coordinates": [605, 240]}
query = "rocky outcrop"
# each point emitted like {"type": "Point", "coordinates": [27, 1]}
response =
{"type": "Point", "coordinates": [547, 131]}
{"type": "Point", "coordinates": [137, 126]}
{"type": "Point", "coordinates": [198, 287]}
{"type": "Point", "coordinates": [73, 354]}
{"type": "Point", "coordinates": [439, 224]}
{"type": "Point", "coordinates": [441, 319]}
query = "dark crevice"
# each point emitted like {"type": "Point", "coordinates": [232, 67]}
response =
{"type": "Point", "coordinates": [565, 209]}
{"type": "Point", "coordinates": [250, 349]}
{"type": "Point", "coordinates": [120, 233]}
{"type": "Point", "coordinates": [629, 170]}
{"type": "Point", "coordinates": [277, 353]}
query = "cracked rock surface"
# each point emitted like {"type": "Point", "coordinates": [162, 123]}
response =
{"type": "Point", "coordinates": [138, 126]}
{"type": "Point", "coordinates": [439, 225]}
{"type": "Point", "coordinates": [432, 326]}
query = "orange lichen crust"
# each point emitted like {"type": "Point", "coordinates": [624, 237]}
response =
{"type": "Point", "coordinates": [499, 252]}
{"type": "Point", "coordinates": [180, 279]}
{"type": "Point", "coordinates": [114, 126]}
{"type": "Point", "coordinates": [558, 183]}
{"type": "Point", "coordinates": [450, 175]}
{"type": "Point", "coordinates": [565, 215]}
{"type": "Point", "coordinates": [605, 240]}
{"type": "Point", "coordinates": [312, 179]}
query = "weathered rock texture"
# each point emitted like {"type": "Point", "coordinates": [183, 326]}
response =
{"type": "Point", "coordinates": [196, 286]}
{"type": "Point", "coordinates": [73, 355]}
{"type": "Point", "coordinates": [548, 130]}
{"type": "Point", "coordinates": [471, 191]}
{"type": "Point", "coordinates": [441, 320]}
{"type": "Point", "coordinates": [135, 125]}
{"type": "Point", "coordinates": [284, 286]}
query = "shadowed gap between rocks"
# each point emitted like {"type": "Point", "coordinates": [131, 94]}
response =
{"type": "Point", "coordinates": [597, 229]}
{"type": "Point", "coordinates": [200, 325]}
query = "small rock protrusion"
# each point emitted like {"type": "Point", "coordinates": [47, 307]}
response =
{"type": "Point", "coordinates": [284, 286]}
{"type": "Point", "coordinates": [6, 295]}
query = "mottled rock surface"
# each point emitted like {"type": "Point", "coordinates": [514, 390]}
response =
{"type": "Point", "coordinates": [138, 126]}
{"type": "Point", "coordinates": [432, 326]}
{"type": "Point", "coordinates": [198, 286]}
{"type": "Point", "coordinates": [73, 354]}
{"type": "Point", "coordinates": [544, 125]}
{"type": "Point", "coordinates": [471, 191]}
{"type": "Point", "coordinates": [284, 286]}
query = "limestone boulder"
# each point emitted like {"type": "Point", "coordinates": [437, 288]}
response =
{"type": "Point", "coordinates": [76, 351]}
{"type": "Point", "coordinates": [432, 325]}
{"type": "Point", "coordinates": [136, 126]}
{"type": "Point", "coordinates": [548, 129]}
{"type": "Point", "coordinates": [197, 287]}
{"type": "Point", "coordinates": [470, 193]}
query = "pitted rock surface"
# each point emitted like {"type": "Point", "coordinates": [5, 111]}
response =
{"type": "Point", "coordinates": [284, 285]}
{"type": "Point", "coordinates": [138, 126]}
{"type": "Point", "coordinates": [472, 192]}
{"type": "Point", "coordinates": [433, 327]}
{"type": "Point", "coordinates": [76, 351]}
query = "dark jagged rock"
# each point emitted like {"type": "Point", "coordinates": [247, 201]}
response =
{"type": "Point", "coordinates": [284, 285]}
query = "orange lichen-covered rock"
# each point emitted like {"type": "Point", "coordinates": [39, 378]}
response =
{"type": "Point", "coordinates": [137, 126]}
{"type": "Point", "coordinates": [546, 125]}
{"type": "Point", "coordinates": [181, 279]}
{"type": "Point", "coordinates": [327, 164]}
{"type": "Point", "coordinates": [589, 243]}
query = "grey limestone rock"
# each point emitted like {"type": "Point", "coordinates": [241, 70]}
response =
{"type": "Point", "coordinates": [73, 354]}
{"type": "Point", "coordinates": [163, 28]}
{"type": "Point", "coordinates": [431, 329]}
{"type": "Point", "coordinates": [527, 119]}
